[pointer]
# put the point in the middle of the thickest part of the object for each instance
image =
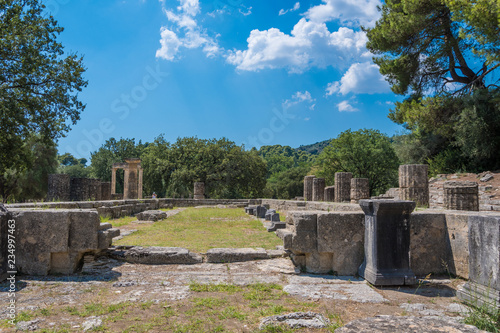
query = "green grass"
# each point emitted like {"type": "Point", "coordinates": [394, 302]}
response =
{"type": "Point", "coordinates": [121, 221]}
{"type": "Point", "coordinates": [204, 228]}
{"type": "Point", "coordinates": [483, 318]}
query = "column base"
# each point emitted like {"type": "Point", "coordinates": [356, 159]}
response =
{"type": "Point", "coordinates": [388, 277]}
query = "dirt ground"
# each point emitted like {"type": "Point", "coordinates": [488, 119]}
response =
{"type": "Point", "coordinates": [160, 298]}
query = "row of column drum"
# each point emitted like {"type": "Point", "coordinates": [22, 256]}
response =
{"type": "Point", "coordinates": [346, 188]}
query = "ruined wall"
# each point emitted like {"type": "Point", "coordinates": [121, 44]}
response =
{"type": "Point", "coordinates": [54, 241]}
{"type": "Point", "coordinates": [59, 187]}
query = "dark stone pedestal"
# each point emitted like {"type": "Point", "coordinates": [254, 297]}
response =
{"type": "Point", "coordinates": [483, 287]}
{"type": "Point", "coordinates": [387, 242]}
{"type": "Point", "coordinates": [260, 212]}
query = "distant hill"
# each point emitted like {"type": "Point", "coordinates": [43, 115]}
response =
{"type": "Point", "coordinates": [315, 148]}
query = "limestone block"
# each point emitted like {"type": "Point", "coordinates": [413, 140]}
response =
{"type": "Point", "coordinates": [38, 234]}
{"type": "Point", "coordinates": [458, 240]}
{"type": "Point", "coordinates": [83, 230]}
{"type": "Point", "coordinates": [286, 236]}
{"type": "Point", "coordinates": [329, 193]}
{"type": "Point", "coordinates": [223, 255]}
{"type": "Point", "coordinates": [304, 221]}
{"type": "Point", "coordinates": [360, 189]}
{"type": "Point", "coordinates": [319, 263]}
{"type": "Point", "coordinates": [413, 175]}
{"type": "Point", "coordinates": [429, 248]}
{"type": "Point", "coordinates": [157, 255]}
{"type": "Point", "coordinates": [461, 195]}
{"type": "Point", "coordinates": [342, 233]}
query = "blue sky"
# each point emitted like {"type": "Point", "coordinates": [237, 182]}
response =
{"type": "Point", "coordinates": [256, 72]}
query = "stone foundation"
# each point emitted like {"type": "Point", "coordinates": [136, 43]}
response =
{"type": "Point", "coordinates": [59, 187]}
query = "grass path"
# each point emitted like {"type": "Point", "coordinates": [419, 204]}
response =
{"type": "Point", "coordinates": [200, 229]}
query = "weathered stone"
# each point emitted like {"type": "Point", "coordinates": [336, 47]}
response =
{"type": "Point", "coordinates": [132, 180]}
{"type": "Point", "coordinates": [59, 187]}
{"type": "Point", "coordinates": [260, 212]}
{"type": "Point", "coordinates": [276, 225]}
{"type": "Point", "coordinates": [360, 189]}
{"type": "Point", "coordinates": [152, 215]}
{"type": "Point", "coordinates": [342, 234]}
{"type": "Point", "coordinates": [296, 320]}
{"type": "Point", "coordinates": [461, 195]}
{"type": "Point", "coordinates": [269, 214]}
{"type": "Point", "coordinates": [308, 187]}
{"type": "Point", "coordinates": [80, 189]}
{"type": "Point", "coordinates": [199, 191]}
{"type": "Point", "coordinates": [343, 186]}
{"type": "Point", "coordinates": [387, 242]}
{"type": "Point", "coordinates": [318, 189]}
{"type": "Point", "coordinates": [225, 255]}
{"type": "Point", "coordinates": [483, 287]}
{"type": "Point", "coordinates": [105, 190]}
{"type": "Point", "coordinates": [407, 324]}
{"type": "Point", "coordinates": [5, 216]}
{"type": "Point", "coordinates": [91, 323]}
{"type": "Point", "coordinates": [414, 183]}
{"type": "Point", "coordinates": [156, 255]}
{"type": "Point", "coordinates": [329, 193]}
{"type": "Point", "coordinates": [487, 177]}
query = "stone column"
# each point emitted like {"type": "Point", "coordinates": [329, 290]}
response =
{"type": "Point", "coordinates": [199, 191]}
{"type": "Point", "coordinates": [461, 195]}
{"type": "Point", "coordinates": [343, 186]}
{"type": "Point", "coordinates": [131, 179]}
{"type": "Point", "coordinates": [414, 183]}
{"type": "Point", "coordinates": [318, 189]}
{"type": "Point", "coordinates": [113, 181]}
{"type": "Point", "coordinates": [360, 189]}
{"type": "Point", "coordinates": [139, 187]}
{"type": "Point", "coordinates": [387, 242]}
{"type": "Point", "coordinates": [308, 187]}
{"type": "Point", "coordinates": [330, 193]}
{"type": "Point", "coordinates": [483, 287]}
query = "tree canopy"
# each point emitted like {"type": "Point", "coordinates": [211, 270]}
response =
{"type": "Point", "coordinates": [39, 84]}
{"type": "Point", "coordinates": [443, 55]}
{"type": "Point", "coordinates": [366, 153]}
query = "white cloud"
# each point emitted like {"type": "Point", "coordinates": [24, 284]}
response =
{"type": "Point", "coordinates": [187, 33]}
{"type": "Point", "coordinates": [295, 7]}
{"type": "Point", "coordinates": [344, 106]}
{"type": "Point", "coordinates": [248, 12]}
{"type": "Point", "coordinates": [309, 44]}
{"type": "Point", "coordinates": [299, 97]}
{"type": "Point", "coordinates": [361, 78]}
{"type": "Point", "coordinates": [350, 12]}
{"type": "Point", "coordinates": [169, 45]}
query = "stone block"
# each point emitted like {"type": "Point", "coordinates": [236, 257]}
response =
{"type": "Point", "coordinates": [276, 225]}
{"type": "Point", "coordinates": [152, 215]}
{"type": "Point", "coordinates": [461, 195]}
{"type": "Point", "coordinates": [156, 255]}
{"type": "Point", "coordinates": [483, 287]}
{"type": "Point", "coordinates": [305, 242]}
{"type": "Point", "coordinates": [329, 193]}
{"type": "Point", "coordinates": [269, 214]}
{"type": "Point", "coordinates": [429, 248]}
{"type": "Point", "coordinates": [83, 230]}
{"type": "Point", "coordinates": [304, 221]}
{"type": "Point", "coordinates": [59, 188]}
{"type": "Point", "coordinates": [457, 240]}
{"type": "Point", "coordinates": [342, 234]}
{"type": "Point", "coordinates": [286, 236]}
{"type": "Point", "coordinates": [360, 189]}
{"type": "Point", "coordinates": [65, 262]}
{"type": "Point", "coordinates": [413, 175]}
{"type": "Point", "coordinates": [260, 212]}
{"type": "Point", "coordinates": [225, 255]}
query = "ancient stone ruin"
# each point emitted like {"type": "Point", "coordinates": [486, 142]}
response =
{"type": "Point", "coordinates": [132, 182]}
{"type": "Point", "coordinates": [199, 191]}
{"type": "Point", "coordinates": [64, 188]}
{"type": "Point", "coordinates": [360, 189]}
{"type": "Point", "coordinates": [329, 193]}
{"type": "Point", "coordinates": [461, 195]}
{"type": "Point", "coordinates": [414, 183]}
{"type": "Point", "coordinates": [343, 186]}
{"type": "Point", "coordinates": [318, 189]}
{"type": "Point", "coordinates": [308, 187]}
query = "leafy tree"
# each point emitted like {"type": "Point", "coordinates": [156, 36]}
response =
{"type": "Point", "coordinates": [39, 85]}
{"type": "Point", "coordinates": [442, 54]}
{"type": "Point", "coordinates": [32, 183]}
{"type": "Point", "coordinates": [287, 184]}
{"type": "Point", "coordinates": [281, 158]}
{"type": "Point", "coordinates": [366, 153]}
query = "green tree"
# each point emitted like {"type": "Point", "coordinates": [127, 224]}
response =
{"type": "Point", "coordinates": [39, 85]}
{"type": "Point", "coordinates": [443, 55]}
{"type": "Point", "coordinates": [287, 184]}
{"type": "Point", "coordinates": [366, 153]}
